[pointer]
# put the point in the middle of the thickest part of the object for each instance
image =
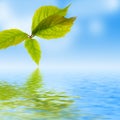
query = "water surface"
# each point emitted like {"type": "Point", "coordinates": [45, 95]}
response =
{"type": "Point", "coordinates": [58, 95]}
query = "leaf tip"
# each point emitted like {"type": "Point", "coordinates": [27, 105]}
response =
{"type": "Point", "coordinates": [74, 18]}
{"type": "Point", "coordinates": [37, 63]}
{"type": "Point", "coordinates": [69, 5]}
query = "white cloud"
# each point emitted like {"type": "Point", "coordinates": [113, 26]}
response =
{"type": "Point", "coordinates": [87, 8]}
{"type": "Point", "coordinates": [5, 13]}
{"type": "Point", "coordinates": [112, 5]}
{"type": "Point", "coordinates": [96, 27]}
{"type": "Point", "coordinates": [9, 20]}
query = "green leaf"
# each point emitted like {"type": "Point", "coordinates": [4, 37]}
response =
{"type": "Point", "coordinates": [46, 11]}
{"type": "Point", "coordinates": [11, 37]}
{"type": "Point", "coordinates": [54, 27]}
{"type": "Point", "coordinates": [33, 49]}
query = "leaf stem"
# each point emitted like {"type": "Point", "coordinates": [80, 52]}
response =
{"type": "Point", "coordinates": [30, 36]}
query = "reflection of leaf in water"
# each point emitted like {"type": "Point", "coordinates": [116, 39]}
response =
{"type": "Point", "coordinates": [33, 83]}
{"type": "Point", "coordinates": [32, 101]}
{"type": "Point", "coordinates": [5, 88]}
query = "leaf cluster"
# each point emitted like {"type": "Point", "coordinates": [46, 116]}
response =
{"type": "Point", "coordinates": [48, 22]}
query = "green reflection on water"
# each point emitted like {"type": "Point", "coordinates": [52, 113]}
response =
{"type": "Point", "coordinates": [32, 102]}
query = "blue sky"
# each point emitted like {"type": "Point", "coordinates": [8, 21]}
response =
{"type": "Point", "coordinates": [93, 43]}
